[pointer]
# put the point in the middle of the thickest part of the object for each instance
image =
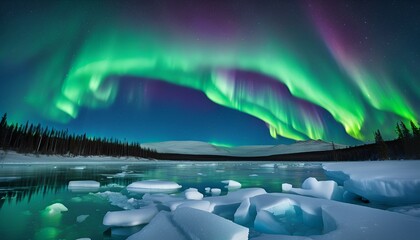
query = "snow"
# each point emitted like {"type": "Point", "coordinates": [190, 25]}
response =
{"type": "Point", "coordinates": [12, 157]}
{"type": "Point", "coordinates": [323, 219]}
{"type": "Point", "coordinates": [129, 218]}
{"type": "Point", "coordinates": [153, 186]}
{"type": "Point", "coordinates": [320, 189]}
{"type": "Point", "coordinates": [412, 210]}
{"type": "Point", "coordinates": [203, 148]}
{"type": "Point", "coordinates": [386, 182]}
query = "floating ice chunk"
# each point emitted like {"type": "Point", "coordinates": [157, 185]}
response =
{"type": "Point", "coordinates": [232, 184]}
{"type": "Point", "coordinates": [193, 194]}
{"type": "Point", "coordinates": [84, 184]}
{"type": "Point", "coordinates": [210, 225]}
{"type": "Point", "coordinates": [412, 210]}
{"type": "Point", "coordinates": [389, 182]}
{"type": "Point", "coordinates": [55, 208]}
{"type": "Point", "coordinates": [253, 175]}
{"type": "Point", "coordinates": [315, 188]}
{"type": "Point", "coordinates": [153, 186]}
{"type": "Point", "coordinates": [160, 227]}
{"type": "Point", "coordinates": [119, 200]}
{"type": "Point", "coordinates": [160, 197]}
{"type": "Point", "coordinates": [207, 189]}
{"type": "Point", "coordinates": [268, 165]}
{"type": "Point", "coordinates": [78, 168]}
{"type": "Point", "coordinates": [81, 218]}
{"type": "Point", "coordinates": [215, 191]}
{"type": "Point", "coordinates": [129, 218]}
{"type": "Point", "coordinates": [286, 187]}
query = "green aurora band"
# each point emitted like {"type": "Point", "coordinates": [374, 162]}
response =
{"type": "Point", "coordinates": [85, 74]}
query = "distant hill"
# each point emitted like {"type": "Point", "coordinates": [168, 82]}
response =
{"type": "Point", "coordinates": [204, 148]}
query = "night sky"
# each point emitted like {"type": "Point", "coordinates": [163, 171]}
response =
{"type": "Point", "coordinates": [225, 72]}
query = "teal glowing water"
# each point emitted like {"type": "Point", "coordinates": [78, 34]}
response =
{"type": "Point", "coordinates": [26, 190]}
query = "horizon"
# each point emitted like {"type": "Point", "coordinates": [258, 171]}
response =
{"type": "Point", "coordinates": [225, 73]}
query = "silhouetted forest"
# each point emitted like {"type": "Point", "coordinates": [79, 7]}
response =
{"type": "Point", "coordinates": [36, 139]}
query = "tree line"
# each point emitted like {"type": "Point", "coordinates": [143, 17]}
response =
{"type": "Point", "coordinates": [36, 139]}
{"type": "Point", "coordinates": [407, 141]}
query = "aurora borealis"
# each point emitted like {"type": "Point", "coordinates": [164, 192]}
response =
{"type": "Point", "coordinates": [231, 72]}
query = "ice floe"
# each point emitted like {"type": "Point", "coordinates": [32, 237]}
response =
{"type": "Point", "coordinates": [81, 218]}
{"type": "Point", "coordinates": [320, 189]}
{"type": "Point", "coordinates": [189, 223]}
{"type": "Point", "coordinates": [83, 184]}
{"type": "Point", "coordinates": [388, 182]}
{"type": "Point", "coordinates": [128, 218]}
{"type": "Point", "coordinates": [322, 219]}
{"type": "Point", "coordinates": [153, 186]}
{"type": "Point", "coordinates": [412, 210]}
{"type": "Point", "coordinates": [193, 194]}
{"type": "Point", "coordinates": [232, 184]}
{"type": "Point", "coordinates": [55, 208]}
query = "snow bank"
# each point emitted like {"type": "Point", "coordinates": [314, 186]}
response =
{"type": "Point", "coordinates": [412, 210]}
{"type": "Point", "coordinates": [287, 214]}
{"type": "Point", "coordinates": [129, 218]}
{"type": "Point", "coordinates": [320, 189]}
{"type": "Point", "coordinates": [153, 186]}
{"type": "Point", "coordinates": [204, 148]}
{"type": "Point", "coordinates": [388, 182]}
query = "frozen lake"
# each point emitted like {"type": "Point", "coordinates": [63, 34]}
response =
{"type": "Point", "coordinates": [26, 190]}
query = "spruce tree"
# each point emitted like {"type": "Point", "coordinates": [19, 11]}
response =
{"type": "Point", "coordinates": [378, 136]}
{"type": "Point", "coordinates": [405, 132]}
{"type": "Point", "coordinates": [399, 132]}
{"type": "Point", "coordinates": [415, 130]}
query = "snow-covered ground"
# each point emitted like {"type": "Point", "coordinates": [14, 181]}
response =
{"type": "Point", "coordinates": [387, 182]}
{"type": "Point", "coordinates": [203, 148]}
{"type": "Point", "coordinates": [11, 157]}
